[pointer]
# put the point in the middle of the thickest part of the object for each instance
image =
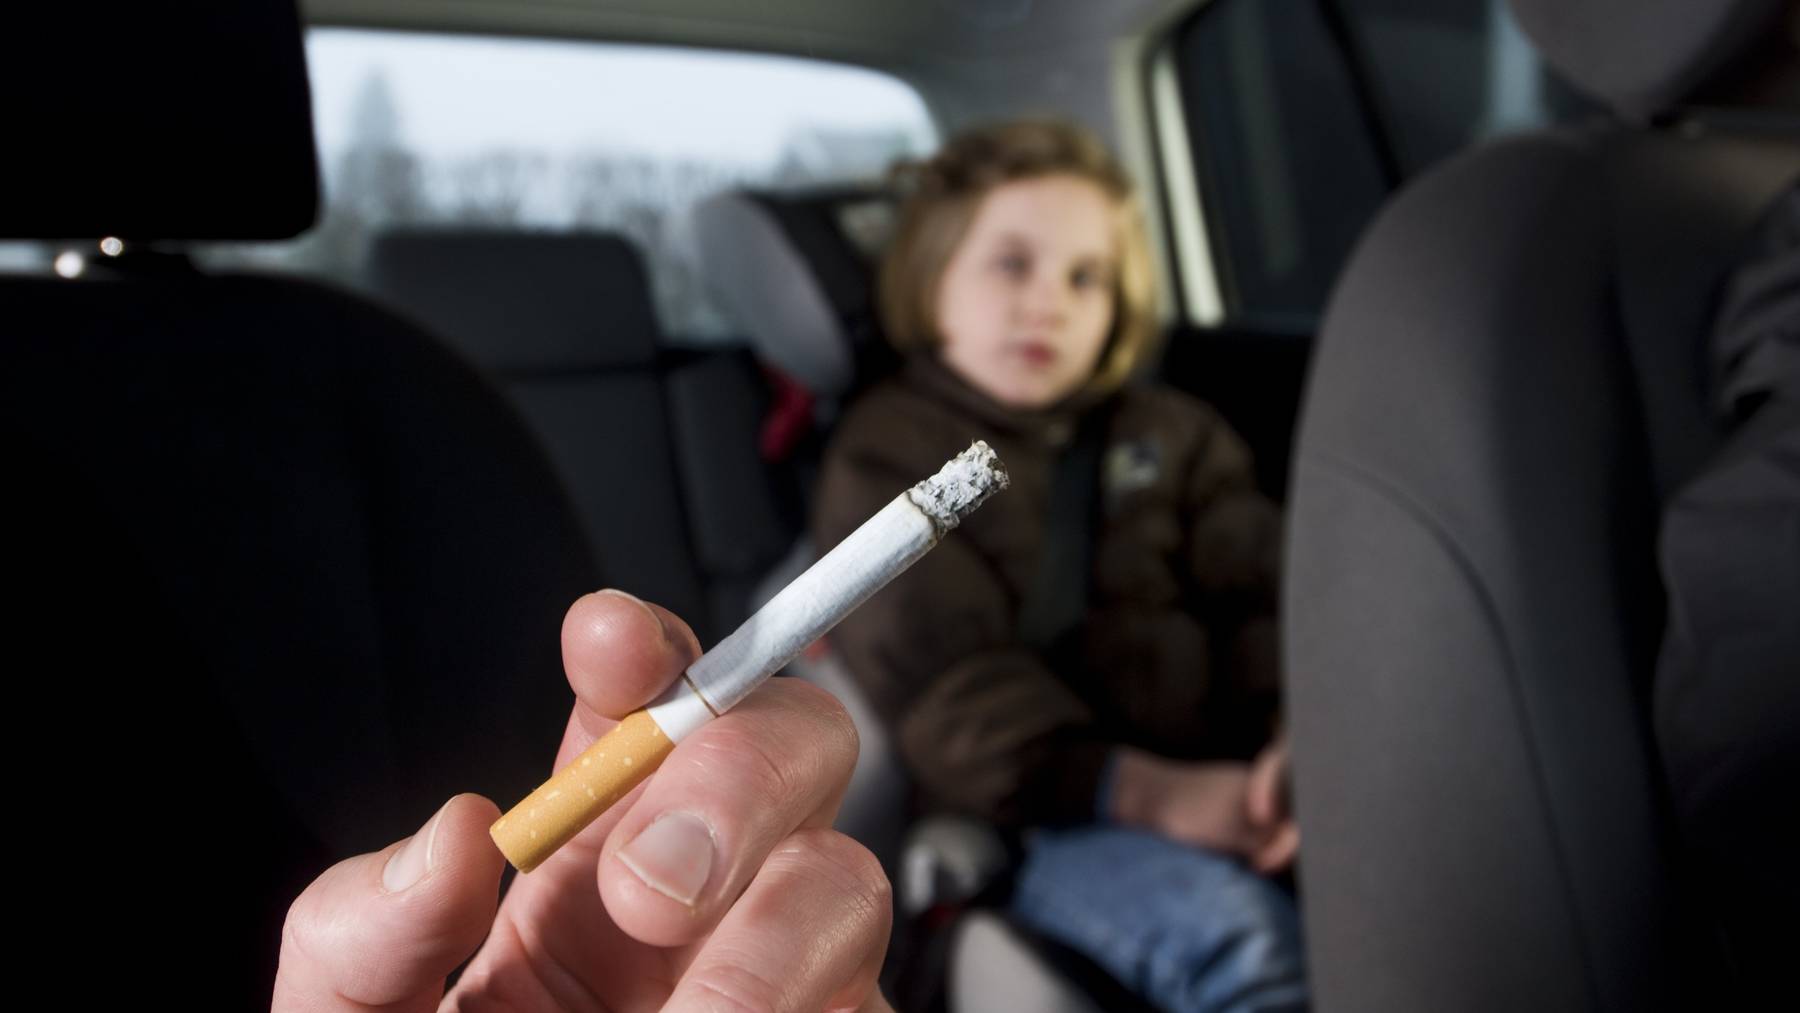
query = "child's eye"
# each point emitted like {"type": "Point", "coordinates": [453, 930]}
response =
{"type": "Point", "coordinates": [1086, 278]}
{"type": "Point", "coordinates": [1013, 265]}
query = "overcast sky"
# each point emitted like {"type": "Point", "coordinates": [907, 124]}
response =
{"type": "Point", "coordinates": [457, 95]}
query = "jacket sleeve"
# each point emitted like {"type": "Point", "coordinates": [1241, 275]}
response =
{"type": "Point", "coordinates": [979, 720]}
{"type": "Point", "coordinates": [1233, 550]}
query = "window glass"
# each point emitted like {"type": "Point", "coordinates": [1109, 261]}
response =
{"type": "Point", "coordinates": [1305, 114]}
{"type": "Point", "coordinates": [417, 129]}
{"type": "Point", "coordinates": [1288, 167]}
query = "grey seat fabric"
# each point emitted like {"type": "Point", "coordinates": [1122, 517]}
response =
{"type": "Point", "coordinates": [565, 325]}
{"type": "Point", "coordinates": [1508, 385]}
{"type": "Point", "coordinates": [1642, 57]}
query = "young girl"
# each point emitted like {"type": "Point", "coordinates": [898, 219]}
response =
{"type": "Point", "coordinates": [1112, 725]}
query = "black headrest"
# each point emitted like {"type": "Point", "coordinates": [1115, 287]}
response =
{"type": "Point", "coordinates": [522, 301]}
{"type": "Point", "coordinates": [186, 120]}
{"type": "Point", "coordinates": [1643, 56]}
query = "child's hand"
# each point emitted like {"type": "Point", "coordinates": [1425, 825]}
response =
{"type": "Point", "coordinates": [1203, 804]}
{"type": "Point", "coordinates": [716, 881]}
{"type": "Point", "coordinates": [1269, 808]}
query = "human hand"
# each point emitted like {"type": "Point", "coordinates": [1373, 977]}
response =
{"type": "Point", "coordinates": [1270, 812]}
{"type": "Point", "coordinates": [1203, 804]}
{"type": "Point", "coordinates": [717, 881]}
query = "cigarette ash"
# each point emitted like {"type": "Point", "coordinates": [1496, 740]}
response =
{"type": "Point", "coordinates": [960, 486]}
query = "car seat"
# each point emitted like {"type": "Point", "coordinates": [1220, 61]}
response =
{"type": "Point", "coordinates": [293, 573]}
{"type": "Point", "coordinates": [1507, 387]}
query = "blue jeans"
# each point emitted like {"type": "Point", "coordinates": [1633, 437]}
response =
{"type": "Point", "coordinates": [1186, 929]}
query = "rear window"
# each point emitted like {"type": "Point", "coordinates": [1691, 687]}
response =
{"type": "Point", "coordinates": [419, 129]}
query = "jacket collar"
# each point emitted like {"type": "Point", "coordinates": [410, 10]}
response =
{"type": "Point", "coordinates": [1053, 426]}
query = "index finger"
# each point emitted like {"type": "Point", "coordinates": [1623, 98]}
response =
{"type": "Point", "coordinates": [619, 652]}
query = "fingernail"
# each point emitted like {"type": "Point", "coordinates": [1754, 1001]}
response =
{"type": "Point", "coordinates": [673, 856]}
{"type": "Point", "coordinates": [413, 860]}
{"type": "Point", "coordinates": [640, 603]}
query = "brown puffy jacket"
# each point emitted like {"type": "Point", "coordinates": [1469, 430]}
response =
{"type": "Point", "coordinates": [1176, 654]}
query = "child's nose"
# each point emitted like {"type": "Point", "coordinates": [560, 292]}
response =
{"type": "Point", "coordinates": [1046, 299]}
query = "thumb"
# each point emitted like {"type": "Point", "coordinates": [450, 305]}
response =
{"type": "Point", "coordinates": [1266, 777]}
{"type": "Point", "coordinates": [384, 929]}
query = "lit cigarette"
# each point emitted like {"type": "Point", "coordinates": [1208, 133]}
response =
{"type": "Point", "coordinates": [801, 613]}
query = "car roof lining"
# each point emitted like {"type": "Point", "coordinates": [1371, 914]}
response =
{"type": "Point", "coordinates": [903, 37]}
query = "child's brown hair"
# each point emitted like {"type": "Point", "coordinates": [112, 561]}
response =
{"type": "Point", "coordinates": [948, 188]}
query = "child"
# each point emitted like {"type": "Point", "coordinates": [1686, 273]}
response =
{"type": "Point", "coordinates": [1112, 727]}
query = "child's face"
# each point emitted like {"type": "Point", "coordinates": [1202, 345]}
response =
{"type": "Point", "coordinates": [1026, 301]}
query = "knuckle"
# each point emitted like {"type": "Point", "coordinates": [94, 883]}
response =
{"type": "Point", "coordinates": [757, 772]}
{"type": "Point", "coordinates": [305, 931]}
{"type": "Point", "coordinates": [852, 869]}
{"type": "Point", "coordinates": [835, 733]}
{"type": "Point", "coordinates": [313, 937]}
{"type": "Point", "coordinates": [731, 986]}
{"type": "Point", "coordinates": [843, 726]}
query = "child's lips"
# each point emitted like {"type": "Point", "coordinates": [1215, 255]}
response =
{"type": "Point", "coordinates": [1037, 354]}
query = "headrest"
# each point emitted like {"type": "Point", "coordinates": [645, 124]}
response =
{"type": "Point", "coordinates": [1643, 56]}
{"type": "Point", "coordinates": [522, 301]}
{"type": "Point", "coordinates": [144, 121]}
{"type": "Point", "coordinates": [797, 272]}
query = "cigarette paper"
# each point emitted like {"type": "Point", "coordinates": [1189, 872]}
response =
{"type": "Point", "coordinates": [875, 553]}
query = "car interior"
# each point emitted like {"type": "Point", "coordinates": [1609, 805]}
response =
{"type": "Point", "coordinates": [304, 424]}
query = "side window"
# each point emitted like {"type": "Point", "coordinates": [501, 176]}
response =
{"type": "Point", "coordinates": [1304, 115]}
{"type": "Point", "coordinates": [1287, 164]}
{"type": "Point", "coordinates": [1445, 75]}
{"type": "Point", "coordinates": [420, 129]}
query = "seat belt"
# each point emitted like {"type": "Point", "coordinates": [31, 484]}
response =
{"type": "Point", "coordinates": [1057, 599]}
